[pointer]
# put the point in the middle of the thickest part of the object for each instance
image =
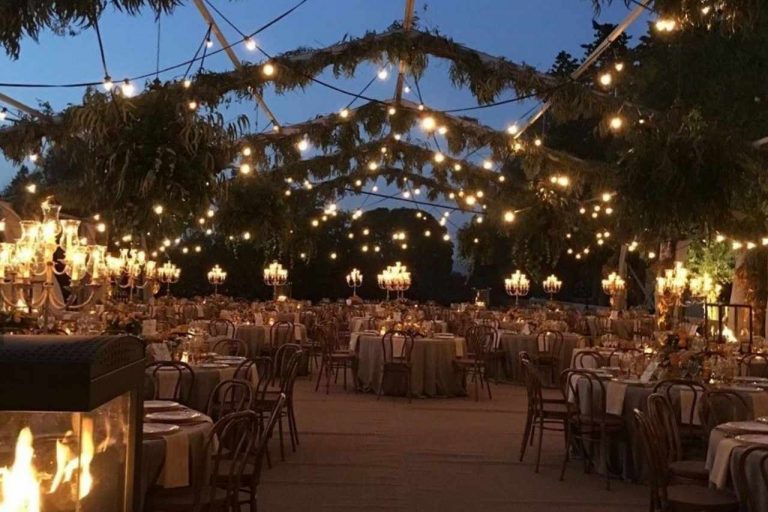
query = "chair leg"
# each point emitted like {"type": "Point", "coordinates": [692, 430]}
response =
{"type": "Point", "coordinates": [604, 457]}
{"type": "Point", "coordinates": [344, 369]}
{"type": "Point", "coordinates": [541, 438]}
{"type": "Point", "coordinates": [292, 417]}
{"type": "Point", "coordinates": [320, 374]}
{"type": "Point", "coordinates": [282, 440]}
{"type": "Point", "coordinates": [567, 457]}
{"type": "Point", "coordinates": [526, 433]}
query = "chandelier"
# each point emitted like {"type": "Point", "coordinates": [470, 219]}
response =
{"type": "Point", "coordinates": [395, 278]}
{"type": "Point", "coordinates": [703, 287]}
{"type": "Point", "coordinates": [131, 270]}
{"type": "Point", "coordinates": [552, 285]}
{"type": "Point", "coordinates": [216, 276]}
{"type": "Point", "coordinates": [46, 250]}
{"type": "Point", "coordinates": [354, 280]}
{"type": "Point", "coordinates": [275, 276]}
{"type": "Point", "coordinates": [674, 280]}
{"type": "Point", "coordinates": [613, 286]}
{"type": "Point", "coordinates": [517, 285]}
{"type": "Point", "coordinates": [168, 274]}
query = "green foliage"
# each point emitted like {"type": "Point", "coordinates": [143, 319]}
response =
{"type": "Point", "coordinates": [711, 257]}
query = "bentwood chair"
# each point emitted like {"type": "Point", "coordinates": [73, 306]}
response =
{"type": "Point", "coordinates": [334, 359]}
{"type": "Point", "coordinates": [229, 396]}
{"type": "Point", "coordinates": [280, 333]}
{"type": "Point", "coordinates": [216, 485]}
{"type": "Point", "coordinates": [721, 406]}
{"type": "Point", "coordinates": [480, 339]}
{"type": "Point", "coordinates": [396, 347]}
{"type": "Point", "coordinates": [753, 365]}
{"type": "Point", "coordinates": [549, 346]}
{"type": "Point", "coordinates": [230, 347]}
{"type": "Point", "coordinates": [546, 414]}
{"type": "Point", "coordinates": [221, 327]}
{"type": "Point", "coordinates": [590, 424]}
{"type": "Point", "coordinates": [666, 496]}
{"type": "Point", "coordinates": [661, 415]}
{"type": "Point", "coordinates": [288, 367]}
{"type": "Point", "coordinates": [184, 380]}
{"type": "Point", "coordinates": [588, 359]}
{"type": "Point", "coordinates": [691, 429]}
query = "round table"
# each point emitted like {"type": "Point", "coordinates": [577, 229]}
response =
{"type": "Point", "coordinates": [723, 457]}
{"type": "Point", "coordinates": [206, 380]}
{"type": "Point", "coordinates": [257, 337]}
{"type": "Point", "coordinates": [512, 344]}
{"type": "Point", "coordinates": [432, 370]}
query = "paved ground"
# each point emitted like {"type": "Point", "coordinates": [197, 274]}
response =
{"type": "Point", "coordinates": [444, 455]}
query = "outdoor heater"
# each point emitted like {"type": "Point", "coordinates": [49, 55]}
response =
{"type": "Point", "coordinates": [70, 422]}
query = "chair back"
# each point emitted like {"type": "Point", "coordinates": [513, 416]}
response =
{"type": "Point", "coordinates": [221, 327]}
{"type": "Point", "coordinates": [721, 406]}
{"type": "Point", "coordinates": [671, 389]}
{"type": "Point", "coordinates": [184, 380]}
{"type": "Point", "coordinates": [265, 434]}
{"type": "Point", "coordinates": [662, 417]}
{"type": "Point", "coordinates": [658, 469]}
{"type": "Point", "coordinates": [587, 391]}
{"type": "Point", "coordinates": [280, 333]}
{"type": "Point", "coordinates": [488, 322]}
{"type": "Point", "coordinates": [189, 312]}
{"type": "Point", "coordinates": [550, 343]}
{"type": "Point", "coordinates": [752, 482]}
{"type": "Point", "coordinates": [231, 444]}
{"type": "Point", "coordinates": [230, 347]}
{"type": "Point", "coordinates": [232, 395]}
{"type": "Point", "coordinates": [533, 386]}
{"type": "Point", "coordinates": [397, 346]}
{"type": "Point", "coordinates": [588, 359]}
{"type": "Point", "coordinates": [480, 341]}
{"type": "Point", "coordinates": [753, 365]}
{"type": "Point", "coordinates": [282, 359]}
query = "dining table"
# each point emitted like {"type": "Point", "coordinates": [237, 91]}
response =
{"type": "Point", "coordinates": [171, 456]}
{"type": "Point", "coordinates": [513, 343]}
{"type": "Point", "coordinates": [432, 369]}
{"type": "Point", "coordinates": [259, 336]}
{"type": "Point", "coordinates": [206, 377]}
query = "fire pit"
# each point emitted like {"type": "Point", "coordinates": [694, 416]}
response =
{"type": "Point", "coordinates": [70, 420]}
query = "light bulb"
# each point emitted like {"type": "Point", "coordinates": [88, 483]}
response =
{"type": "Point", "coordinates": [250, 44]}
{"type": "Point", "coordinates": [208, 43]}
{"type": "Point", "coordinates": [428, 123]}
{"type": "Point", "coordinates": [606, 79]}
{"type": "Point", "coordinates": [158, 209]}
{"type": "Point", "coordinates": [344, 113]}
{"type": "Point", "coordinates": [3, 114]}
{"type": "Point", "coordinates": [442, 130]}
{"type": "Point", "coordinates": [247, 151]}
{"type": "Point", "coordinates": [187, 83]}
{"type": "Point", "coordinates": [245, 168]}
{"type": "Point", "coordinates": [616, 123]}
{"type": "Point", "coordinates": [456, 167]}
{"type": "Point", "coordinates": [513, 129]}
{"type": "Point", "coordinates": [107, 84]}
{"type": "Point", "coordinates": [268, 69]}
{"type": "Point", "coordinates": [383, 74]}
{"type": "Point", "coordinates": [509, 216]}
{"type": "Point", "coordinates": [391, 111]}
{"type": "Point", "coordinates": [192, 105]}
{"type": "Point", "coordinates": [303, 145]}
{"type": "Point", "coordinates": [127, 88]}
{"type": "Point", "coordinates": [439, 157]}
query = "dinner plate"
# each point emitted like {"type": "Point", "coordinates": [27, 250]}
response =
{"type": "Point", "coordinates": [161, 405]}
{"type": "Point", "coordinates": [744, 389]}
{"type": "Point", "coordinates": [631, 382]}
{"type": "Point", "coordinates": [229, 359]}
{"type": "Point", "coordinates": [756, 380]}
{"type": "Point", "coordinates": [747, 426]}
{"type": "Point", "coordinates": [159, 429]}
{"type": "Point", "coordinates": [213, 365]}
{"type": "Point", "coordinates": [753, 438]}
{"type": "Point", "coordinates": [762, 419]}
{"type": "Point", "coordinates": [182, 416]}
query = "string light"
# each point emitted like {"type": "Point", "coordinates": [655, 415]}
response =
{"type": "Point", "coordinates": [439, 157]}
{"type": "Point", "coordinates": [665, 25]}
{"type": "Point", "coordinates": [187, 83]}
{"type": "Point", "coordinates": [383, 74]}
{"type": "Point", "coordinates": [3, 114]}
{"type": "Point", "coordinates": [513, 129]}
{"type": "Point", "coordinates": [303, 145]}
{"type": "Point", "coordinates": [250, 43]}
{"type": "Point", "coordinates": [509, 216]}
{"type": "Point", "coordinates": [192, 105]}
{"type": "Point", "coordinates": [428, 124]}
{"type": "Point", "coordinates": [442, 130]}
{"type": "Point", "coordinates": [606, 197]}
{"type": "Point", "coordinates": [208, 42]}
{"type": "Point", "coordinates": [158, 209]}
{"type": "Point", "coordinates": [487, 165]}
{"type": "Point", "coordinates": [605, 79]}
{"type": "Point", "coordinates": [344, 113]}
{"type": "Point", "coordinates": [245, 168]}
{"type": "Point", "coordinates": [107, 84]}
{"type": "Point", "coordinates": [247, 151]}
{"type": "Point", "coordinates": [127, 88]}
{"type": "Point", "coordinates": [619, 66]}
{"type": "Point", "coordinates": [268, 69]}
{"type": "Point", "coordinates": [616, 123]}
{"type": "Point", "coordinates": [31, 188]}
{"type": "Point", "coordinates": [247, 235]}
{"type": "Point", "coordinates": [457, 167]}
{"type": "Point", "coordinates": [391, 111]}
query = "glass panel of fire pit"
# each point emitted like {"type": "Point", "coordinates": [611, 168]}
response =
{"type": "Point", "coordinates": [65, 461]}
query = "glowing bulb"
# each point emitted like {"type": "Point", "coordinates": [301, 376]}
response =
{"type": "Point", "coordinates": [537, 142]}
{"type": "Point", "coordinates": [666, 25]}
{"type": "Point", "coordinates": [616, 123]}
{"type": "Point", "coordinates": [509, 216]}
{"type": "Point", "coordinates": [247, 235]}
{"type": "Point", "coordinates": [383, 74]}
{"type": "Point", "coordinates": [247, 151]}
{"type": "Point", "coordinates": [391, 111]}
{"type": "Point", "coordinates": [344, 113]}
{"type": "Point", "coordinates": [470, 200]}
{"type": "Point", "coordinates": [107, 84]}
{"type": "Point", "coordinates": [250, 44]}
{"type": "Point", "coordinates": [487, 165]}
{"type": "Point", "coordinates": [456, 167]}
{"type": "Point", "coordinates": [158, 209]}
{"type": "Point", "coordinates": [127, 88]}
{"type": "Point", "coordinates": [619, 66]}
{"type": "Point", "coordinates": [33, 157]}
{"type": "Point", "coordinates": [606, 79]}
{"type": "Point", "coordinates": [606, 197]}
{"type": "Point", "coordinates": [333, 255]}
{"type": "Point", "coordinates": [513, 129]}
{"type": "Point", "coordinates": [101, 227]}
{"type": "Point", "coordinates": [245, 168]}
{"type": "Point", "coordinates": [439, 157]}
{"type": "Point", "coordinates": [3, 114]}
{"type": "Point", "coordinates": [373, 166]}
{"type": "Point", "coordinates": [446, 237]}
{"type": "Point", "coordinates": [31, 188]}
{"type": "Point", "coordinates": [187, 83]}
{"type": "Point", "coordinates": [208, 43]}
{"type": "Point", "coordinates": [651, 255]}
{"type": "Point", "coordinates": [192, 105]}
{"type": "Point", "coordinates": [315, 223]}
{"type": "Point", "coordinates": [428, 123]}
{"type": "Point", "coordinates": [303, 145]}
{"type": "Point", "coordinates": [442, 130]}
{"type": "Point", "coordinates": [268, 69]}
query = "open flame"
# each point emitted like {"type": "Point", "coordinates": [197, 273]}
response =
{"type": "Point", "coordinates": [21, 483]}
{"type": "Point", "coordinates": [728, 335]}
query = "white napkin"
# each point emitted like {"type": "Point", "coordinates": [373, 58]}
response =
{"type": "Point", "coordinates": [175, 471]}
{"type": "Point", "coordinates": [614, 397]}
{"type": "Point", "coordinates": [686, 403]}
{"type": "Point", "coordinates": [720, 470]}
{"type": "Point", "coordinates": [759, 404]}
{"type": "Point", "coordinates": [353, 340]}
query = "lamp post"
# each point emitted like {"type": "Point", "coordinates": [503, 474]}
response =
{"type": "Point", "coordinates": [517, 285]}
{"type": "Point", "coordinates": [275, 276]}
{"type": "Point", "coordinates": [552, 285]}
{"type": "Point", "coordinates": [216, 277]}
{"type": "Point", "coordinates": [168, 274]}
{"type": "Point", "coordinates": [354, 280]}
{"type": "Point", "coordinates": [613, 286]}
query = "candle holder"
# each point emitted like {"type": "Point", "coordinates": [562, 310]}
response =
{"type": "Point", "coordinates": [168, 274]}
{"type": "Point", "coordinates": [669, 291]}
{"type": "Point", "coordinates": [517, 285]}
{"type": "Point", "coordinates": [552, 285]}
{"type": "Point", "coordinates": [216, 277]}
{"type": "Point", "coordinates": [275, 276]}
{"type": "Point", "coordinates": [614, 286]}
{"type": "Point", "coordinates": [131, 270]}
{"type": "Point", "coordinates": [354, 280]}
{"type": "Point", "coordinates": [395, 278]}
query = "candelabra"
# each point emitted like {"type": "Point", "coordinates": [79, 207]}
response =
{"type": "Point", "coordinates": [275, 276]}
{"type": "Point", "coordinates": [703, 288]}
{"type": "Point", "coordinates": [131, 270]}
{"type": "Point", "coordinates": [552, 285]}
{"type": "Point", "coordinates": [395, 278]}
{"type": "Point", "coordinates": [354, 280]}
{"type": "Point", "coordinates": [216, 277]}
{"type": "Point", "coordinates": [517, 285]}
{"type": "Point", "coordinates": [614, 286]}
{"type": "Point", "coordinates": [669, 291]}
{"type": "Point", "coordinates": [168, 274]}
{"type": "Point", "coordinates": [46, 250]}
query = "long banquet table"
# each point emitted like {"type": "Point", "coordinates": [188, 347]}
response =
{"type": "Point", "coordinates": [432, 369]}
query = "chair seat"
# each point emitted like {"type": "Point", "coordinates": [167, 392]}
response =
{"type": "Point", "coordinates": [397, 366]}
{"type": "Point", "coordinates": [612, 422]}
{"type": "Point", "coordinates": [697, 498]}
{"type": "Point", "coordinates": [690, 469]}
{"type": "Point", "coordinates": [557, 410]}
{"type": "Point", "coordinates": [544, 359]}
{"type": "Point", "coordinates": [466, 361]}
{"type": "Point", "coordinates": [182, 499]}
{"type": "Point", "coordinates": [343, 356]}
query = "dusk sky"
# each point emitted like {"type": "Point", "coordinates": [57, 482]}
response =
{"type": "Point", "coordinates": [530, 31]}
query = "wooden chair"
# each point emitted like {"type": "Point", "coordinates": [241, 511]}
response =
{"type": "Point", "coordinates": [281, 333]}
{"type": "Point", "coordinates": [668, 497]}
{"type": "Point", "coordinates": [230, 347]}
{"type": "Point", "coordinates": [753, 365]}
{"type": "Point", "coordinates": [216, 485]}
{"type": "Point", "coordinates": [288, 366]}
{"type": "Point", "coordinates": [721, 406]}
{"type": "Point", "coordinates": [221, 327]}
{"type": "Point", "coordinates": [334, 359]}
{"type": "Point", "coordinates": [229, 396]}
{"type": "Point", "coordinates": [671, 388]}
{"type": "Point", "coordinates": [480, 340]}
{"type": "Point", "coordinates": [549, 346]}
{"type": "Point", "coordinates": [661, 414]}
{"type": "Point", "coordinates": [593, 425]}
{"type": "Point", "coordinates": [546, 414]}
{"type": "Point", "coordinates": [185, 380]}
{"type": "Point", "coordinates": [588, 359]}
{"type": "Point", "coordinates": [398, 362]}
